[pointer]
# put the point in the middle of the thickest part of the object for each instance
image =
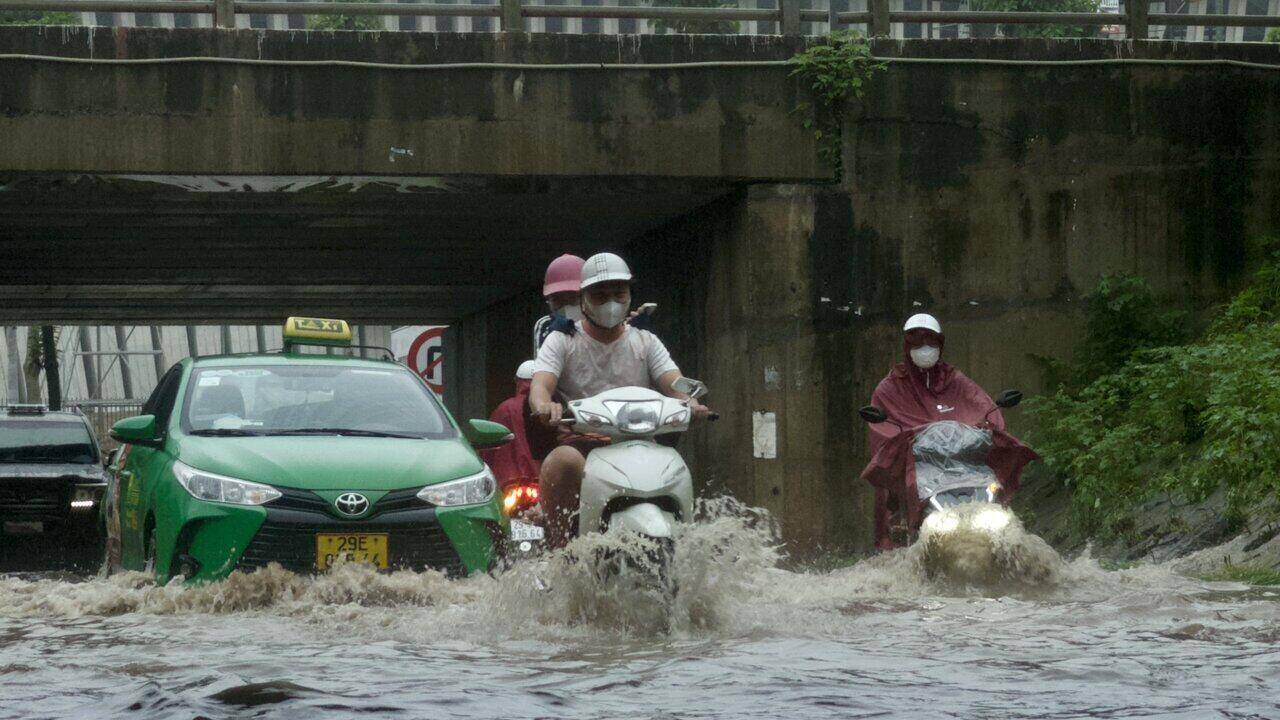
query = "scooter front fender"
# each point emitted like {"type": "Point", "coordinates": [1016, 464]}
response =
{"type": "Point", "coordinates": [644, 519]}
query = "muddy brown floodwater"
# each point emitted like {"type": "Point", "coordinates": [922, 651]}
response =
{"type": "Point", "coordinates": [887, 637]}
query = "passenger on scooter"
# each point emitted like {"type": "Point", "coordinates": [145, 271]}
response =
{"type": "Point", "coordinates": [597, 353]}
{"type": "Point", "coordinates": [560, 288]}
{"type": "Point", "coordinates": [922, 389]}
{"type": "Point", "coordinates": [516, 463]}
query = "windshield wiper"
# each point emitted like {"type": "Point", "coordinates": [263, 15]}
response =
{"type": "Point", "coordinates": [225, 432]}
{"type": "Point", "coordinates": [343, 431]}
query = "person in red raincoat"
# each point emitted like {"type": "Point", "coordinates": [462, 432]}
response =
{"type": "Point", "coordinates": [920, 390]}
{"type": "Point", "coordinates": [516, 462]}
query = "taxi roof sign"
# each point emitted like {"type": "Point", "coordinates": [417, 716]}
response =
{"type": "Point", "coordinates": [316, 331]}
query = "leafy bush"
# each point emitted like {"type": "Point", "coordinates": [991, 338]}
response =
{"type": "Point", "coordinates": [19, 17]}
{"type": "Point", "coordinates": [1021, 30]}
{"type": "Point", "coordinates": [346, 22]}
{"type": "Point", "coordinates": [835, 70]}
{"type": "Point", "coordinates": [1144, 418]}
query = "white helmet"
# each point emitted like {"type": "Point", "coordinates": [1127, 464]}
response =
{"type": "Point", "coordinates": [922, 321]}
{"type": "Point", "coordinates": [525, 371]}
{"type": "Point", "coordinates": [604, 267]}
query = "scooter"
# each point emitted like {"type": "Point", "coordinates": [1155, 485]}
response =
{"type": "Point", "coordinates": [635, 484]}
{"type": "Point", "coordinates": [955, 466]}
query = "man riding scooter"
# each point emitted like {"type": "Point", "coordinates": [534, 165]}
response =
{"type": "Point", "coordinates": [917, 392]}
{"type": "Point", "coordinates": [595, 354]}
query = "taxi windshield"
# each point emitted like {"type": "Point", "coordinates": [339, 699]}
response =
{"type": "Point", "coordinates": [311, 399]}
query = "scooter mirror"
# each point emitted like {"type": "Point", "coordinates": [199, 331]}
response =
{"type": "Point", "coordinates": [689, 386]}
{"type": "Point", "coordinates": [1009, 398]}
{"type": "Point", "coordinates": [872, 414]}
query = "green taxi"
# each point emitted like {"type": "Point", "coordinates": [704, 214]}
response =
{"type": "Point", "coordinates": [301, 459]}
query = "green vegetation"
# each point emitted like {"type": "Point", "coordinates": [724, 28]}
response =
{"type": "Point", "coordinates": [39, 18]}
{"type": "Point", "coordinates": [710, 27]}
{"type": "Point", "coordinates": [346, 22]}
{"type": "Point", "coordinates": [1067, 31]}
{"type": "Point", "coordinates": [1273, 35]}
{"type": "Point", "coordinates": [1152, 409]}
{"type": "Point", "coordinates": [1246, 574]}
{"type": "Point", "coordinates": [835, 71]}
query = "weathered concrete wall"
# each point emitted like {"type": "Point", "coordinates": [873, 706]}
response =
{"type": "Point", "coordinates": [991, 196]}
{"type": "Point", "coordinates": [205, 117]}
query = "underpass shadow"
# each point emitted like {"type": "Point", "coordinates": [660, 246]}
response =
{"type": "Point", "coordinates": [40, 554]}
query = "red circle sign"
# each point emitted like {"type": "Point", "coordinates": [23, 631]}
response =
{"type": "Point", "coordinates": [425, 354]}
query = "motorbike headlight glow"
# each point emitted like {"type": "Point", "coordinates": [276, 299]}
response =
{"type": "Point", "coordinates": [678, 417]}
{"type": "Point", "coordinates": [993, 520]}
{"type": "Point", "coordinates": [470, 490]}
{"type": "Point", "coordinates": [220, 488]}
{"type": "Point", "coordinates": [638, 418]}
{"type": "Point", "coordinates": [941, 522]}
{"type": "Point", "coordinates": [593, 419]}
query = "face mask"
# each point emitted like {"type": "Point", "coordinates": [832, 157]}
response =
{"type": "Point", "coordinates": [925, 356]}
{"type": "Point", "coordinates": [609, 314]}
{"type": "Point", "coordinates": [572, 312]}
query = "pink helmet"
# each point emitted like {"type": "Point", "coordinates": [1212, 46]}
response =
{"type": "Point", "coordinates": [564, 274]}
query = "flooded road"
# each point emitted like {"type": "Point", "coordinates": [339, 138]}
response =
{"type": "Point", "coordinates": [745, 639]}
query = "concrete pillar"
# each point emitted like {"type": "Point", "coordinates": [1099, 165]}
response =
{"type": "Point", "coordinates": [90, 363]}
{"type": "Point", "coordinates": [193, 342]}
{"type": "Point", "coordinates": [13, 370]}
{"type": "Point", "coordinates": [260, 337]}
{"type": "Point", "coordinates": [53, 383]}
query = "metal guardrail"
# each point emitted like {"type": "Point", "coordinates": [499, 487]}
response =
{"type": "Point", "coordinates": [789, 14]}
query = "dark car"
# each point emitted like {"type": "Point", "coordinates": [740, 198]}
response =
{"type": "Point", "coordinates": [51, 478]}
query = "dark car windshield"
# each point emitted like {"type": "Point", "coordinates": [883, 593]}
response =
{"type": "Point", "coordinates": [310, 398]}
{"type": "Point", "coordinates": [38, 441]}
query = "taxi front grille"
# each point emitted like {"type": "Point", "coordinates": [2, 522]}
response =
{"type": "Point", "coordinates": [290, 540]}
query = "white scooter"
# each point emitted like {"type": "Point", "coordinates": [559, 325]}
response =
{"type": "Point", "coordinates": [635, 484]}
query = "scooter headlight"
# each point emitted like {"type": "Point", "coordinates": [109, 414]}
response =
{"type": "Point", "coordinates": [471, 490]}
{"type": "Point", "coordinates": [941, 522]}
{"type": "Point", "coordinates": [220, 488]}
{"type": "Point", "coordinates": [678, 417]}
{"type": "Point", "coordinates": [593, 419]}
{"type": "Point", "coordinates": [638, 418]}
{"type": "Point", "coordinates": [993, 520]}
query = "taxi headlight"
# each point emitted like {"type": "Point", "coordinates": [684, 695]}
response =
{"type": "Point", "coordinates": [471, 490]}
{"type": "Point", "coordinates": [993, 520]}
{"type": "Point", "coordinates": [220, 488]}
{"type": "Point", "coordinates": [941, 522]}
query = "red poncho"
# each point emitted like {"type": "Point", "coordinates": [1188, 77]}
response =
{"type": "Point", "coordinates": [515, 463]}
{"type": "Point", "coordinates": [916, 397]}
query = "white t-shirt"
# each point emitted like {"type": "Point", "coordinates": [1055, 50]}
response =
{"type": "Point", "coordinates": [584, 366]}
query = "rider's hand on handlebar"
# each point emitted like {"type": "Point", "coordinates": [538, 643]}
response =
{"type": "Point", "coordinates": [700, 411]}
{"type": "Point", "coordinates": [549, 413]}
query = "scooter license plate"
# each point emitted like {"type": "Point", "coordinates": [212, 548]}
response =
{"type": "Point", "coordinates": [521, 530]}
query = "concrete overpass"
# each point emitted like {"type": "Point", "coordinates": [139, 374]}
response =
{"type": "Point", "coordinates": [991, 182]}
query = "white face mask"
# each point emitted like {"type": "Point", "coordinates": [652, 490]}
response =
{"type": "Point", "coordinates": [572, 312]}
{"type": "Point", "coordinates": [608, 314]}
{"type": "Point", "coordinates": [925, 356]}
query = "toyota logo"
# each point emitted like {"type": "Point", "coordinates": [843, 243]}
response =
{"type": "Point", "coordinates": [351, 504]}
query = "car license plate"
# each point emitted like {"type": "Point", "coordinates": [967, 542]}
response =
{"type": "Point", "coordinates": [23, 528]}
{"type": "Point", "coordinates": [521, 530]}
{"type": "Point", "coordinates": [368, 548]}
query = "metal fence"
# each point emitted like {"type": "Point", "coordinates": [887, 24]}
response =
{"type": "Point", "coordinates": [102, 414]}
{"type": "Point", "coordinates": [789, 15]}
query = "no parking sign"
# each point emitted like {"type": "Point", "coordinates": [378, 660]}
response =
{"type": "Point", "coordinates": [421, 347]}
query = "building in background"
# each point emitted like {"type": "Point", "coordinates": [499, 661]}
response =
{"type": "Point", "coordinates": [631, 26]}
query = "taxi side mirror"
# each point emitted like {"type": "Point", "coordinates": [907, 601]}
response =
{"type": "Point", "coordinates": [484, 434]}
{"type": "Point", "coordinates": [137, 430]}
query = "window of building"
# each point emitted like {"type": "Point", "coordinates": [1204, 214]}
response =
{"type": "Point", "coordinates": [1255, 7]}
{"type": "Point", "coordinates": [949, 30]}
{"type": "Point", "coordinates": [1176, 32]}
{"type": "Point", "coordinates": [1216, 7]}
{"type": "Point", "coordinates": [259, 21]}
{"type": "Point", "coordinates": [912, 30]}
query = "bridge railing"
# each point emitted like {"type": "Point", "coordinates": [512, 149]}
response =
{"type": "Point", "coordinates": [790, 15]}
